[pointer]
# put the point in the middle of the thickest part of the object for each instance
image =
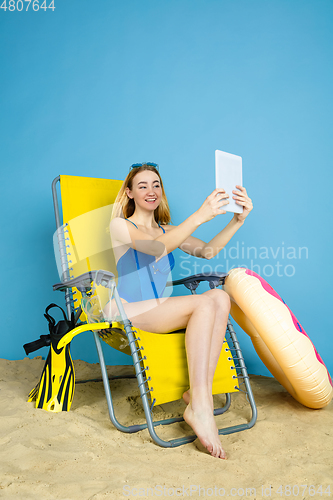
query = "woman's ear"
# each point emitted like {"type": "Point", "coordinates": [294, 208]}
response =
{"type": "Point", "coordinates": [128, 192]}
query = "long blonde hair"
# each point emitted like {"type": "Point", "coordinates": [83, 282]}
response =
{"type": "Point", "coordinates": [125, 206]}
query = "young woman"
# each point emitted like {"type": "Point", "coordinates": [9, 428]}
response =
{"type": "Point", "coordinates": [143, 240]}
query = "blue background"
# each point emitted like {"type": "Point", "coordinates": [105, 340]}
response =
{"type": "Point", "coordinates": [95, 86]}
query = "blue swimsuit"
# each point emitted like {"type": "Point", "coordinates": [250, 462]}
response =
{"type": "Point", "coordinates": [140, 277]}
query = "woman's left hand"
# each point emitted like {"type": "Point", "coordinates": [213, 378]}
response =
{"type": "Point", "coordinates": [242, 199]}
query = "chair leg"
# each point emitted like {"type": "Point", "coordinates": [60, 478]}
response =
{"type": "Point", "coordinates": [241, 375]}
{"type": "Point", "coordinates": [141, 382]}
{"type": "Point", "coordinates": [136, 355]}
{"type": "Point", "coordinates": [107, 389]}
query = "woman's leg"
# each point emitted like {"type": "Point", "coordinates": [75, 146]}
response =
{"type": "Point", "coordinates": [197, 313]}
{"type": "Point", "coordinates": [222, 309]}
{"type": "Point", "coordinates": [198, 413]}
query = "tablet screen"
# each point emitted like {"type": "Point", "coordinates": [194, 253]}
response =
{"type": "Point", "coordinates": [228, 171]}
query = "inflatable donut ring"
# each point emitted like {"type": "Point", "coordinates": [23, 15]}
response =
{"type": "Point", "coordinates": [278, 338]}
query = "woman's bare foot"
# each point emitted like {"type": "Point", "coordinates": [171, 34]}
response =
{"type": "Point", "coordinates": [202, 422]}
{"type": "Point", "coordinates": [187, 398]}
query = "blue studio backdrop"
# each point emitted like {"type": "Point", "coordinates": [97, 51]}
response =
{"type": "Point", "coordinates": [88, 88]}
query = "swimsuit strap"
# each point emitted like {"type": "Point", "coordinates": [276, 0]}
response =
{"type": "Point", "coordinates": [161, 228]}
{"type": "Point", "coordinates": [138, 228]}
{"type": "Point", "coordinates": [132, 223]}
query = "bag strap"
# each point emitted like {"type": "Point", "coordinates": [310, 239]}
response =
{"type": "Point", "coordinates": [43, 341]}
{"type": "Point", "coordinates": [57, 330]}
{"type": "Point", "coordinates": [51, 320]}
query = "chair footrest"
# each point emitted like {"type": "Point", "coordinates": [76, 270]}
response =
{"type": "Point", "coordinates": [228, 430]}
{"type": "Point", "coordinates": [234, 428]}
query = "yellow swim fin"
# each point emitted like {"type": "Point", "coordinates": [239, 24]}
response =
{"type": "Point", "coordinates": [55, 390]}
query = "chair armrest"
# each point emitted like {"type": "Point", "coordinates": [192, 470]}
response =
{"type": "Point", "coordinates": [83, 282]}
{"type": "Point", "coordinates": [68, 337]}
{"type": "Point", "coordinates": [192, 282]}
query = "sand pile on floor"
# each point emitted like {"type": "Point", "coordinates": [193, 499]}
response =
{"type": "Point", "coordinates": [80, 455]}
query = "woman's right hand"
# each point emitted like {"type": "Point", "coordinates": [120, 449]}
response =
{"type": "Point", "coordinates": [213, 205]}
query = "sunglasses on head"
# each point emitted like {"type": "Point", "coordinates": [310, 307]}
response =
{"type": "Point", "coordinates": [149, 164]}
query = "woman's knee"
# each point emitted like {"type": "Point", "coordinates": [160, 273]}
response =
{"type": "Point", "coordinates": [220, 297]}
{"type": "Point", "coordinates": [204, 302]}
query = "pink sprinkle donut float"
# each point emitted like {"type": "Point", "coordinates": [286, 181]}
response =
{"type": "Point", "coordinates": [278, 338]}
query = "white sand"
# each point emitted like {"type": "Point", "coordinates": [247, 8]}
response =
{"type": "Point", "coordinates": [80, 455]}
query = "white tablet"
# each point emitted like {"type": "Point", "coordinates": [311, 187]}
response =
{"type": "Point", "coordinates": [228, 171]}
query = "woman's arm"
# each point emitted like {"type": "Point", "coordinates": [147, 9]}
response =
{"type": "Point", "coordinates": [198, 248]}
{"type": "Point", "coordinates": [214, 246]}
{"type": "Point", "coordinates": [124, 232]}
{"type": "Point", "coordinates": [222, 238]}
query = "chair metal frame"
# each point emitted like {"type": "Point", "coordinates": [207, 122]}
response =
{"type": "Point", "coordinates": [83, 283]}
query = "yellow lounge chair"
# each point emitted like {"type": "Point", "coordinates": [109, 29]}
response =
{"type": "Point", "coordinates": [88, 277]}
